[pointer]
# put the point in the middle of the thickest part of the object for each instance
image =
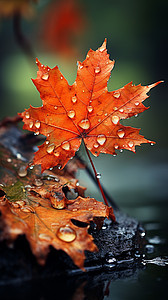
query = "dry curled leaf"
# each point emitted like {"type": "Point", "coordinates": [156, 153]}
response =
{"type": "Point", "coordinates": [84, 111]}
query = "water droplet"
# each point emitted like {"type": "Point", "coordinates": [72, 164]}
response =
{"type": "Point", "coordinates": [106, 114]}
{"type": "Point", "coordinates": [74, 99]}
{"type": "Point", "coordinates": [99, 120]}
{"type": "Point", "coordinates": [116, 146]}
{"type": "Point", "coordinates": [45, 76]}
{"type": "Point", "coordinates": [45, 237]}
{"type": "Point", "coordinates": [47, 142]}
{"type": "Point", "coordinates": [121, 150]}
{"type": "Point", "coordinates": [121, 110]}
{"type": "Point", "coordinates": [98, 175]}
{"type": "Point", "coordinates": [37, 133]}
{"type": "Point", "coordinates": [71, 114]}
{"type": "Point", "coordinates": [136, 115]}
{"type": "Point", "coordinates": [130, 144]}
{"type": "Point", "coordinates": [66, 234]}
{"type": "Point", "coordinates": [9, 160]}
{"type": "Point", "coordinates": [74, 209]}
{"type": "Point", "coordinates": [84, 124]}
{"type": "Point", "coordinates": [56, 153]}
{"type": "Point", "coordinates": [80, 66]}
{"type": "Point", "coordinates": [55, 107]}
{"type": "Point", "coordinates": [22, 172]}
{"type": "Point", "coordinates": [114, 155]}
{"type": "Point", "coordinates": [38, 182]}
{"type": "Point", "coordinates": [97, 70]}
{"type": "Point", "coordinates": [61, 77]}
{"type": "Point", "coordinates": [115, 119]}
{"type": "Point", "coordinates": [58, 203]}
{"type": "Point", "coordinates": [19, 156]}
{"type": "Point", "coordinates": [37, 124]}
{"type": "Point", "coordinates": [27, 115]}
{"type": "Point", "coordinates": [50, 148]}
{"type": "Point", "coordinates": [136, 103]}
{"type": "Point", "coordinates": [99, 113]}
{"type": "Point", "coordinates": [149, 248]}
{"type": "Point", "coordinates": [91, 208]}
{"type": "Point", "coordinates": [65, 145]}
{"type": "Point", "coordinates": [115, 108]}
{"type": "Point", "coordinates": [21, 203]}
{"type": "Point", "coordinates": [59, 167]}
{"type": "Point", "coordinates": [151, 144]}
{"type": "Point", "coordinates": [27, 209]}
{"type": "Point", "coordinates": [116, 94]}
{"type": "Point", "coordinates": [90, 108]}
{"type": "Point", "coordinates": [121, 133]}
{"type": "Point", "coordinates": [83, 91]}
{"type": "Point", "coordinates": [101, 138]}
{"type": "Point", "coordinates": [31, 167]}
{"type": "Point", "coordinates": [15, 205]}
{"type": "Point", "coordinates": [96, 145]}
{"type": "Point", "coordinates": [31, 124]}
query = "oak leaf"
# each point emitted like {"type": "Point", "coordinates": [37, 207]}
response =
{"type": "Point", "coordinates": [84, 111]}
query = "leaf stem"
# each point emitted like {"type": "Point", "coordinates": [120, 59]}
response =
{"type": "Point", "coordinates": [95, 172]}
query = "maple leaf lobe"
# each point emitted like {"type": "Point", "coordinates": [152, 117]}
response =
{"type": "Point", "coordinates": [86, 110]}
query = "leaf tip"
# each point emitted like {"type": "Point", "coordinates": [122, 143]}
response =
{"type": "Point", "coordinates": [103, 46]}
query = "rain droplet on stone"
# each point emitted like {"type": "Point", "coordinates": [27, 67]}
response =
{"type": "Point", "coordinates": [45, 76]}
{"type": "Point", "coordinates": [38, 182]}
{"type": "Point", "coordinates": [98, 175]}
{"type": "Point", "coordinates": [97, 70]}
{"type": "Point", "coordinates": [56, 153]}
{"type": "Point", "coordinates": [45, 237]}
{"type": "Point", "coordinates": [27, 115]}
{"type": "Point", "coordinates": [66, 234]}
{"type": "Point", "coordinates": [90, 108]}
{"type": "Point", "coordinates": [22, 172]}
{"type": "Point", "coordinates": [116, 94]}
{"type": "Point", "coordinates": [84, 124]}
{"type": "Point", "coordinates": [136, 103]}
{"type": "Point", "coordinates": [121, 133]}
{"type": "Point", "coordinates": [31, 124]}
{"type": "Point", "coordinates": [65, 146]}
{"type": "Point", "coordinates": [101, 138]}
{"type": "Point", "coordinates": [115, 119]}
{"type": "Point", "coordinates": [37, 124]}
{"type": "Point", "coordinates": [130, 144]}
{"type": "Point", "coordinates": [50, 148]}
{"type": "Point", "coordinates": [74, 99]}
{"type": "Point", "coordinates": [71, 114]}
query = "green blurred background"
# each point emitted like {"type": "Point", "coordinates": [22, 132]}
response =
{"type": "Point", "coordinates": [136, 33]}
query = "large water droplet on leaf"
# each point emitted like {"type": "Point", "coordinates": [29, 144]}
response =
{"type": "Point", "coordinates": [50, 148]}
{"type": "Point", "coordinates": [71, 114]}
{"type": "Point", "coordinates": [97, 70]}
{"type": "Point", "coordinates": [101, 138]}
{"type": "Point", "coordinates": [66, 234]}
{"type": "Point", "coordinates": [65, 145]}
{"type": "Point", "coordinates": [90, 108]}
{"type": "Point", "coordinates": [22, 172]}
{"type": "Point", "coordinates": [37, 124]}
{"type": "Point", "coordinates": [130, 144]}
{"type": "Point", "coordinates": [116, 94]}
{"type": "Point", "coordinates": [84, 124]}
{"type": "Point", "coordinates": [74, 99]}
{"type": "Point", "coordinates": [27, 115]}
{"type": "Point", "coordinates": [121, 133]}
{"type": "Point", "coordinates": [31, 124]}
{"type": "Point", "coordinates": [115, 119]}
{"type": "Point", "coordinates": [45, 76]}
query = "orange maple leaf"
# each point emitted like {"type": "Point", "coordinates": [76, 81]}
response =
{"type": "Point", "coordinates": [84, 111]}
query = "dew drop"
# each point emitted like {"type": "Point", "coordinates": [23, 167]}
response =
{"type": "Point", "coordinates": [22, 172]}
{"type": "Point", "coordinates": [59, 167]}
{"type": "Point", "coordinates": [101, 138]}
{"type": "Point", "coordinates": [65, 145]}
{"type": "Point", "coordinates": [115, 108]}
{"type": "Point", "coordinates": [21, 203]}
{"type": "Point", "coordinates": [99, 113]}
{"type": "Point", "coordinates": [37, 124]}
{"type": "Point", "coordinates": [91, 208]}
{"type": "Point", "coordinates": [121, 150]}
{"type": "Point", "coordinates": [27, 115]}
{"type": "Point", "coordinates": [27, 209]}
{"type": "Point", "coordinates": [136, 115]}
{"type": "Point", "coordinates": [116, 94]}
{"type": "Point", "coordinates": [50, 148]}
{"type": "Point", "coordinates": [136, 103]}
{"type": "Point", "coordinates": [96, 145]}
{"type": "Point", "coordinates": [83, 91]}
{"type": "Point", "coordinates": [90, 108]}
{"type": "Point", "coordinates": [55, 107]}
{"type": "Point", "coordinates": [106, 114]}
{"type": "Point", "coordinates": [98, 175]}
{"type": "Point", "coordinates": [19, 156]}
{"type": "Point", "coordinates": [71, 114]}
{"type": "Point", "coordinates": [84, 124]}
{"type": "Point", "coordinates": [66, 234]}
{"type": "Point", "coordinates": [131, 144]}
{"type": "Point", "coordinates": [45, 76]}
{"type": "Point", "coordinates": [121, 133]}
{"type": "Point", "coordinates": [31, 124]}
{"type": "Point", "coordinates": [74, 99]}
{"type": "Point", "coordinates": [75, 209]}
{"type": "Point", "coordinates": [151, 144]}
{"type": "Point", "coordinates": [37, 133]}
{"type": "Point", "coordinates": [15, 205]}
{"type": "Point", "coordinates": [116, 146]}
{"type": "Point", "coordinates": [99, 120]}
{"type": "Point", "coordinates": [80, 66]}
{"type": "Point", "coordinates": [45, 237]}
{"type": "Point", "coordinates": [9, 160]}
{"type": "Point", "coordinates": [61, 77]}
{"type": "Point", "coordinates": [56, 153]}
{"type": "Point", "coordinates": [115, 119]}
{"type": "Point", "coordinates": [114, 155]}
{"type": "Point", "coordinates": [97, 70]}
{"type": "Point", "coordinates": [47, 142]}
{"type": "Point", "coordinates": [38, 182]}
{"type": "Point", "coordinates": [121, 110]}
